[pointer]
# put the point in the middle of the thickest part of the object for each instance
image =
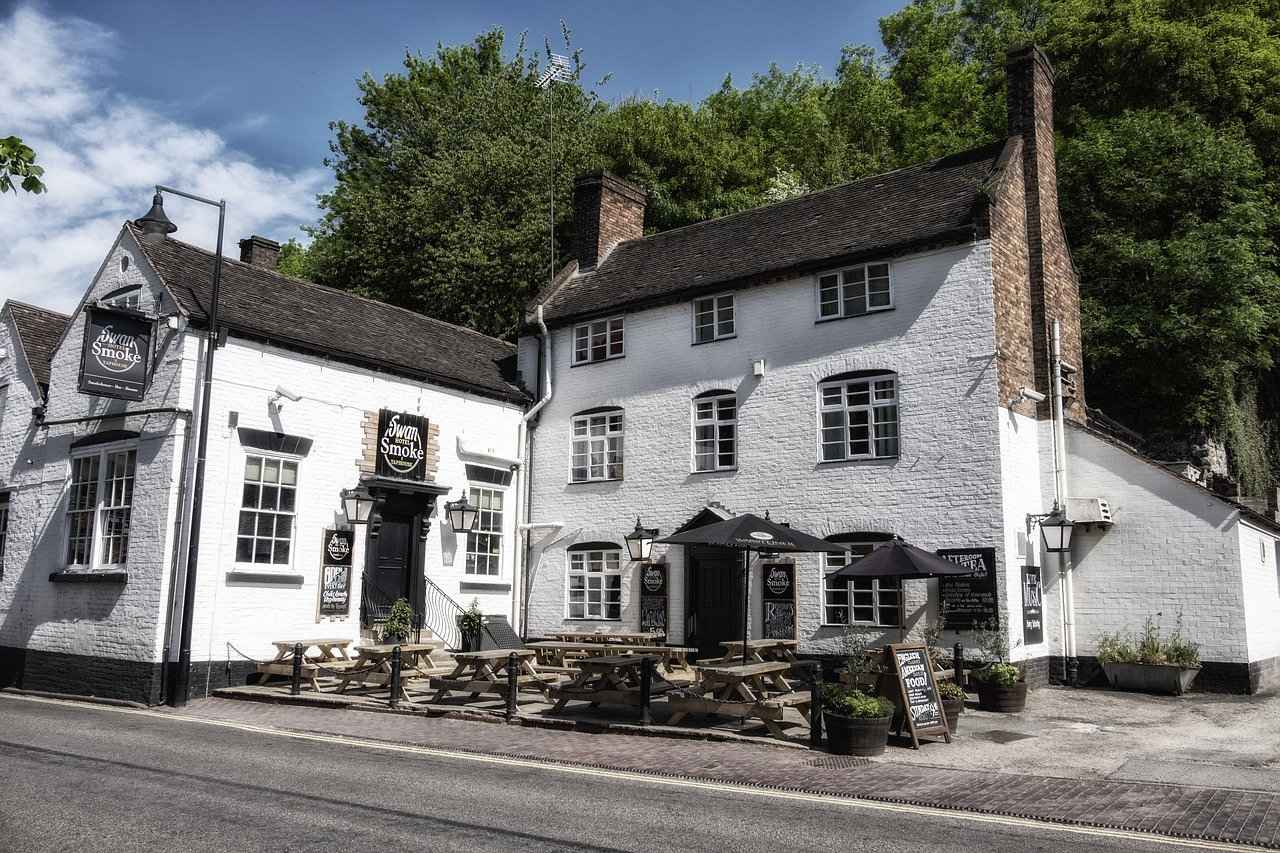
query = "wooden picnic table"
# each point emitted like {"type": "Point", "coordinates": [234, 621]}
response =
{"type": "Point", "coordinates": [745, 690]}
{"type": "Point", "coordinates": [485, 672]}
{"type": "Point", "coordinates": [608, 680]}
{"type": "Point", "coordinates": [373, 665]}
{"type": "Point", "coordinates": [566, 655]}
{"type": "Point", "coordinates": [331, 653]}
{"type": "Point", "coordinates": [626, 638]}
{"type": "Point", "coordinates": [761, 651]}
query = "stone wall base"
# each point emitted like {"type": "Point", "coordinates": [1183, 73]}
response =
{"type": "Point", "coordinates": [1215, 676]}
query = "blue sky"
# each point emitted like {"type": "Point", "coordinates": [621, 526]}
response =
{"type": "Point", "coordinates": [234, 99]}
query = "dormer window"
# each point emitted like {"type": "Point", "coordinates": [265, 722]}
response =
{"type": "Point", "coordinates": [598, 340]}
{"type": "Point", "coordinates": [854, 291]}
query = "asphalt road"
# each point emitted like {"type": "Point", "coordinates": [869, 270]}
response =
{"type": "Point", "coordinates": [80, 777]}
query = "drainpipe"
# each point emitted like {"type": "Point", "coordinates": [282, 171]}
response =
{"type": "Point", "coordinates": [525, 452]}
{"type": "Point", "coordinates": [1066, 592]}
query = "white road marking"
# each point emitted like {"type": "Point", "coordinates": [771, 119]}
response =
{"type": "Point", "coordinates": [721, 787]}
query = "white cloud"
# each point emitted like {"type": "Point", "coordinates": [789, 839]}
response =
{"type": "Point", "coordinates": [102, 152]}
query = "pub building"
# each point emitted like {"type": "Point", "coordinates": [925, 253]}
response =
{"type": "Point", "coordinates": [326, 410]}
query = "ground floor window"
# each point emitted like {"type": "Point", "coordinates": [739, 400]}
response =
{"type": "Point", "coordinates": [595, 584]}
{"type": "Point", "coordinates": [265, 533]}
{"type": "Point", "coordinates": [99, 508]}
{"type": "Point", "coordinates": [484, 541]}
{"type": "Point", "coordinates": [859, 601]}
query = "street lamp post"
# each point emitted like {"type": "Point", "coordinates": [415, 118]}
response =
{"type": "Point", "coordinates": [154, 226]}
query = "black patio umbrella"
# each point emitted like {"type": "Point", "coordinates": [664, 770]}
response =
{"type": "Point", "coordinates": [897, 559]}
{"type": "Point", "coordinates": [748, 532]}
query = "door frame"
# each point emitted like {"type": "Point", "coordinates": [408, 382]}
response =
{"type": "Point", "coordinates": [418, 512]}
{"type": "Point", "coordinates": [691, 572]}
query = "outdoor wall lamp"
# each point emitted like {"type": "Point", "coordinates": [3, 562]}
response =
{"type": "Point", "coordinates": [462, 514]}
{"type": "Point", "coordinates": [357, 505]}
{"type": "Point", "coordinates": [640, 541]}
{"type": "Point", "coordinates": [1055, 530]}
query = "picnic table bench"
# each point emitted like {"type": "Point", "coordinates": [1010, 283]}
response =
{"type": "Point", "coordinates": [373, 665]}
{"type": "Point", "coordinates": [485, 672]}
{"type": "Point", "coordinates": [751, 690]}
{"type": "Point", "coordinates": [626, 638]}
{"type": "Point", "coordinates": [760, 651]}
{"type": "Point", "coordinates": [331, 653]}
{"type": "Point", "coordinates": [565, 655]}
{"type": "Point", "coordinates": [608, 680]}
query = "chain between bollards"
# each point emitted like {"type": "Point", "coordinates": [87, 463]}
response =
{"type": "Point", "coordinates": [296, 686]}
{"type": "Point", "coordinates": [646, 690]}
{"type": "Point", "coordinates": [513, 684]}
{"type": "Point", "coordinates": [395, 676]}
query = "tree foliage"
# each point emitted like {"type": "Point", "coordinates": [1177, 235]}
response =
{"type": "Point", "coordinates": [18, 169]}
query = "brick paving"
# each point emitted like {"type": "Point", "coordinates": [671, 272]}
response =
{"type": "Point", "coordinates": [1227, 815]}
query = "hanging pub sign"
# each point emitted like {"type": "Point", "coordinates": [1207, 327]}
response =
{"type": "Point", "coordinates": [1032, 606]}
{"type": "Point", "coordinates": [116, 356]}
{"type": "Point", "coordinates": [402, 445]}
{"type": "Point", "coordinates": [335, 573]}
{"type": "Point", "coordinates": [653, 597]}
{"type": "Point", "coordinates": [778, 600]}
{"type": "Point", "coordinates": [920, 702]}
{"type": "Point", "coordinates": [970, 601]}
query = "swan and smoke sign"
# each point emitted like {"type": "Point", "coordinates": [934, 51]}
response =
{"type": "Point", "coordinates": [402, 445]}
{"type": "Point", "coordinates": [116, 356]}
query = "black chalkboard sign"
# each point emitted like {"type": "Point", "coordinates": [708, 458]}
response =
{"type": "Point", "coordinates": [653, 597]}
{"type": "Point", "coordinates": [970, 601]}
{"type": "Point", "coordinates": [1032, 606]}
{"type": "Point", "coordinates": [921, 704]}
{"type": "Point", "coordinates": [778, 600]}
{"type": "Point", "coordinates": [335, 573]}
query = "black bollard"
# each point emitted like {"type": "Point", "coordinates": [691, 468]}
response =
{"type": "Point", "coordinates": [957, 664]}
{"type": "Point", "coordinates": [814, 676]}
{"type": "Point", "coordinates": [513, 684]}
{"type": "Point", "coordinates": [296, 687]}
{"type": "Point", "coordinates": [646, 690]}
{"type": "Point", "coordinates": [395, 676]}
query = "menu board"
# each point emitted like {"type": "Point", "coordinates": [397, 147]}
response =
{"type": "Point", "coordinates": [970, 601]}
{"type": "Point", "coordinates": [920, 699]}
{"type": "Point", "coordinates": [335, 572]}
{"type": "Point", "coordinates": [653, 597]}
{"type": "Point", "coordinates": [1032, 606]}
{"type": "Point", "coordinates": [778, 600]}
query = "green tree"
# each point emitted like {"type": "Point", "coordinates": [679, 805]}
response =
{"type": "Point", "coordinates": [295, 260]}
{"type": "Point", "coordinates": [18, 163]}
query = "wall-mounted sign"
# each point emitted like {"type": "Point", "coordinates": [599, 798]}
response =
{"type": "Point", "coordinates": [1032, 606]}
{"type": "Point", "coordinates": [970, 601]}
{"type": "Point", "coordinates": [920, 701]}
{"type": "Point", "coordinates": [402, 445]}
{"type": "Point", "coordinates": [653, 597]}
{"type": "Point", "coordinates": [116, 356]}
{"type": "Point", "coordinates": [335, 572]}
{"type": "Point", "coordinates": [778, 601]}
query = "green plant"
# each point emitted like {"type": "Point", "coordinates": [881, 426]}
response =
{"type": "Point", "coordinates": [999, 674]}
{"type": "Point", "coordinates": [1180, 651]}
{"type": "Point", "coordinates": [1116, 648]}
{"type": "Point", "coordinates": [938, 656]}
{"type": "Point", "coordinates": [1148, 647]}
{"type": "Point", "coordinates": [949, 691]}
{"type": "Point", "coordinates": [848, 702]}
{"type": "Point", "coordinates": [855, 646]}
{"type": "Point", "coordinates": [472, 620]}
{"type": "Point", "coordinates": [399, 621]}
{"type": "Point", "coordinates": [992, 638]}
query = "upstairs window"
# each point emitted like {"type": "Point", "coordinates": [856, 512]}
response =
{"type": "Point", "coordinates": [598, 340]}
{"type": "Point", "coordinates": [99, 508]}
{"type": "Point", "coordinates": [713, 318]}
{"type": "Point", "coordinates": [597, 446]}
{"type": "Point", "coordinates": [854, 291]}
{"type": "Point", "coordinates": [128, 298]}
{"type": "Point", "coordinates": [715, 431]}
{"type": "Point", "coordinates": [858, 417]}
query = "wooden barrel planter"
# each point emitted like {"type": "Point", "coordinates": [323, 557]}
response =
{"type": "Point", "coordinates": [1002, 700]}
{"type": "Point", "coordinates": [856, 735]}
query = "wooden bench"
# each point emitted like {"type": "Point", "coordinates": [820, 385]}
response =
{"type": "Point", "coordinates": [608, 680]}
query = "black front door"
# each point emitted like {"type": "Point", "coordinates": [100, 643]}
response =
{"type": "Point", "coordinates": [389, 572]}
{"type": "Point", "coordinates": [714, 584]}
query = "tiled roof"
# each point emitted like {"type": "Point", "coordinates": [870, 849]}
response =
{"type": "Point", "coordinates": [39, 331]}
{"type": "Point", "coordinates": [294, 313]}
{"type": "Point", "coordinates": [931, 202]}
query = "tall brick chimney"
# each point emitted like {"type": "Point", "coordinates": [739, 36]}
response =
{"type": "Point", "coordinates": [260, 252]}
{"type": "Point", "coordinates": [1055, 290]}
{"type": "Point", "coordinates": [606, 211]}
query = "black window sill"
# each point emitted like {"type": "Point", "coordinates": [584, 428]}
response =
{"type": "Point", "coordinates": [264, 579]}
{"type": "Point", "coordinates": [604, 360]}
{"type": "Point", "coordinates": [591, 482]}
{"type": "Point", "coordinates": [88, 577]}
{"type": "Point", "coordinates": [858, 459]}
{"type": "Point", "coordinates": [715, 340]}
{"type": "Point", "coordinates": [484, 586]}
{"type": "Point", "coordinates": [732, 470]}
{"type": "Point", "coordinates": [822, 320]}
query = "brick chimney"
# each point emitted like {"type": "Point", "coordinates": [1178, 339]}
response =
{"type": "Point", "coordinates": [260, 252]}
{"type": "Point", "coordinates": [1054, 289]}
{"type": "Point", "coordinates": [606, 211]}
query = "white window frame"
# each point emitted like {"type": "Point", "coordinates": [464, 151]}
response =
{"type": "Point", "coordinates": [717, 424]}
{"type": "Point", "coordinates": [833, 562]}
{"type": "Point", "coordinates": [603, 443]}
{"type": "Point", "coordinates": [848, 289]}
{"type": "Point", "coordinates": [721, 303]}
{"type": "Point", "coordinates": [494, 535]}
{"type": "Point", "coordinates": [125, 298]}
{"type": "Point", "coordinates": [873, 408]}
{"type": "Point", "coordinates": [101, 510]}
{"type": "Point", "coordinates": [578, 564]}
{"type": "Point", "coordinates": [282, 459]}
{"type": "Point", "coordinates": [611, 331]}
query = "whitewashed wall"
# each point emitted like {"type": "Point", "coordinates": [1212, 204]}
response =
{"type": "Point", "coordinates": [1261, 591]}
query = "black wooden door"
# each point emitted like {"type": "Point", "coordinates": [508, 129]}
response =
{"type": "Point", "coordinates": [388, 575]}
{"type": "Point", "coordinates": [715, 597]}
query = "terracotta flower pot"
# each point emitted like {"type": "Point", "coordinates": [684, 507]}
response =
{"type": "Point", "coordinates": [856, 735]}
{"type": "Point", "coordinates": [1002, 700]}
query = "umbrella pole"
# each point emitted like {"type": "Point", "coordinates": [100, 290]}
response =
{"type": "Point", "coordinates": [746, 600]}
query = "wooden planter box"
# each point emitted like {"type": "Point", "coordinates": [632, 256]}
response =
{"type": "Point", "coordinates": [1150, 677]}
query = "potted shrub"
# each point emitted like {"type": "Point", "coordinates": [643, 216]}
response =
{"type": "Point", "coordinates": [857, 724]}
{"type": "Point", "coordinates": [399, 622]}
{"type": "Point", "coordinates": [470, 624]}
{"type": "Point", "coordinates": [952, 696]}
{"type": "Point", "coordinates": [1149, 663]}
{"type": "Point", "coordinates": [1001, 688]}
{"type": "Point", "coordinates": [862, 668]}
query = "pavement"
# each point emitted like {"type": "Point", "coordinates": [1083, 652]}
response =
{"type": "Point", "coordinates": [221, 776]}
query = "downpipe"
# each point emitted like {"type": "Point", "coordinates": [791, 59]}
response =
{"type": "Point", "coordinates": [525, 453]}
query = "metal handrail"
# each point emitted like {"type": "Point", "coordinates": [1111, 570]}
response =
{"type": "Point", "coordinates": [441, 616]}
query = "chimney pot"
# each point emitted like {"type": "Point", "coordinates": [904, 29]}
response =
{"type": "Point", "coordinates": [260, 252]}
{"type": "Point", "coordinates": [606, 211]}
